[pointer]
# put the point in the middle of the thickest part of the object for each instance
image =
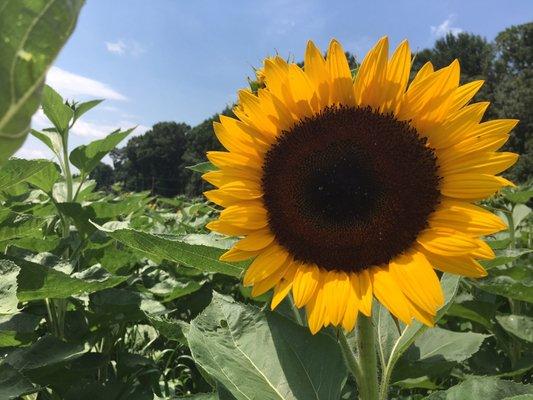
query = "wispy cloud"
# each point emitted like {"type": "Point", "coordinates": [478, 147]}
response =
{"type": "Point", "coordinates": [74, 85]}
{"type": "Point", "coordinates": [122, 47]}
{"type": "Point", "coordinates": [446, 27]}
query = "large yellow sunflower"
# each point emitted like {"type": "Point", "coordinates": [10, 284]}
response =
{"type": "Point", "coordinates": [343, 188]}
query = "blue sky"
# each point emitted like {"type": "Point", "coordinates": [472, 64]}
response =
{"type": "Point", "coordinates": [183, 60]}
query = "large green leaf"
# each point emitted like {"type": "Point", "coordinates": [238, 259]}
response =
{"type": "Point", "coordinates": [483, 388]}
{"type": "Point", "coordinates": [515, 282]}
{"type": "Point", "coordinates": [450, 284]}
{"type": "Point", "coordinates": [17, 170]}
{"type": "Point", "coordinates": [435, 352]}
{"type": "Point", "coordinates": [17, 225]}
{"type": "Point", "coordinates": [263, 355]}
{"type": "Point", "coordinates": [87, 157]}
{"type": "Point", "coordinates": [158, 248]}
{"type": "Point", "coordinates": [56, 110]}
{"type": "Point", "coordinates": [8, 287]}
{"type": "Point", "coordinates": [82, 108]}
{"type": "Point", "coordinates": [52, 139]}
{"type": "Point", "coordinates": [17, 329]}
{"type": "Point", "coordinates": [519, 325]}
{"type": "Point", "coordinates": [46, 177]}
{"type": "Point", "coordinates": [13, 384]}
{"type": "Point", "coordinates": [36, 282]}
{"type": "Point", "coordinates": [33, 32]}
{"type": "Point", "coordinates": [47, 351]}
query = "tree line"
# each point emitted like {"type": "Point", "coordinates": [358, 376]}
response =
{"type": "Point", "coordinates": [158, 160]}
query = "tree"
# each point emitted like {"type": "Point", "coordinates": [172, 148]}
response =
{"type": "Point", "coordinates": [513, 92]}
{"type": "Point", "coordinates": [104, 175]}
{"type": "Point", "coordinates": [153, 161]}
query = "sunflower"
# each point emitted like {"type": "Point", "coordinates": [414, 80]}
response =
{"type": "Point", "coordinates": [345, 188]}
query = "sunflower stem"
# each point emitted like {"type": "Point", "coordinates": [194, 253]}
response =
{"type": "Point", "coordinates": [367, 359]}
{"type": "Point", "coordinates": [349, 356]}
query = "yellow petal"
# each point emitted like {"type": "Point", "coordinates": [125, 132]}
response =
{"type": "Point", "coordinates": [446, 242]}
{"type": "Point", "coordinates": [389, 294]}
{"type": "Point", "coordinates": [235, 254]}
{"type": "Point", "coordinates": [223, 160]}
{"type": "Point", "coordinates": [242, 189]}
{"type": "Point", "coordinates": [227, 175]}
{"type": "Point", "coordinates": [316, 308]}
{"type": "Point", "coordinates": [283, 287]}
{"type": "Point", "coordinates": [463, 94]}
{"type": "Point", "coordinates": [336, 290]}
{"type": "Point", "coordinates": [270, 281]}
{"type": "Point", "coordinates": [257, 240]}
{"type": "Point", "coordinates": [457, 127]}
{"type": "Point", "coordinates": [220, 198]}
{"type": "Point", "coordinates": [305, 284]}
{"type": "Point", "coordinates": [340, 75]}
{"type": "Point", "coordinates": [352, 307]}
{"type": "Point", "coordinates": [462, 265]}
{"type": "Point", "coordinates": [251, 215]}
{"type": "Point", "coordinates": [363, 288]}
{"type": "Point", "coordinates": [465, 218]}
{"type": "Point", "coordinates": [227, 229]}
{"type": "Point", "coordinates": [397, 77]}
{"type": "Point", "coordinates": [315, 67]}
{"type": "Point", "coordinates": [265, 264]}
{"type": "Point", "coordinates": [369, 85]}
{"type": "Point", "coordinates": [472, 186]}
{"type": "Point", "coordinates": [423, 73]}
{"type": "Point", "coordinates": [417, 280]}
{"type": "Point", "coordinates": [490, 163]}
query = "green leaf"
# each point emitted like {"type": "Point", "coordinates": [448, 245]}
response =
{"type": "Point", "coordinates": [17, 329]}
{"type": "Point", "coordinates": [202, 167]}
{"type": "Point", "coordinates": [47, 351]}
{"type": "Point", "coordinates": [87, 157]}
{"type": "Point", "coordinates": [450, 285]}
{"type": "Point", "coordinates": [263, 355]}
{"type": "Point", "coordinates": [15, 225]}
{"type": "Point", "coordinates": [520, 213]}
{"type": "Point", "coordinates": [486, 388]}
{"type": "Point", "coordinates": [8, 287]}
{"type": "Point", "coordinates": [18, 170]}
{"type": "Point", "coordinates": [520, 326]}
{"type": "Point", "coordinates": [171, 329]}
{"type": "Point", "coordinates": [56, 110]}
{"type": "Point", "coordinates": [13, 384]}
{"type": "Point", "coordinates": [81, 216]}
{"type": "Point", "coordinates": [82, 108]}
{"type": "Point", "coordinates": [37, 282]}
{"type": "Point", "coordinates": [46, 177]}
{"type": "Point", "coordinates": [436, 351]}
{"type": "Point", "coordinates": [515, 282]}
{"type": "Point", "coordinates": [52, 139]}
{"type": "Point", "coordinates": [519, 196]}
{"type": "Point", "coordinates": [123, 304]}
{"type": "Point", "coordinates": [33, 32]}
{"type": "Point", "coordinates": [158, 248]}
{"type": "Point", "coordinates": [476, 311]}
{"type": "Point", "coordinates": [504, 257]}
{"type": "Point", "coordinates": [171, 289]}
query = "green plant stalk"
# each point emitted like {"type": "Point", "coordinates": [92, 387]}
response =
{"type": "Point", "coordinates": [363, 364]}
{"type": "Point", "coordinates": [515, 347]}
{"type": "Point", "coordinates": [367, 359]}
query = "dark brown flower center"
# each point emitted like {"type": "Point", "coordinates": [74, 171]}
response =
{"type": "Point", "coordinates": [349, 188]}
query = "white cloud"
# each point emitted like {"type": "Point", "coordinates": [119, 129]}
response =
{"type": "Point", "coordinates": [99, 130]}
{"type": "Point", "coordinates": [118, 47]}
{"type": "Point", "coordinates": [121, 47]}
{"type": "Point", "coordinates": [446, 27]}
{"type": "Point", "coordinates": [73, 85]}
{"type": "Point", "coordinates": [29, 152]}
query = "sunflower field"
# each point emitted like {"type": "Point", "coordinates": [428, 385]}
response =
{"type": "Point", "coordinates": [373, 263]}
